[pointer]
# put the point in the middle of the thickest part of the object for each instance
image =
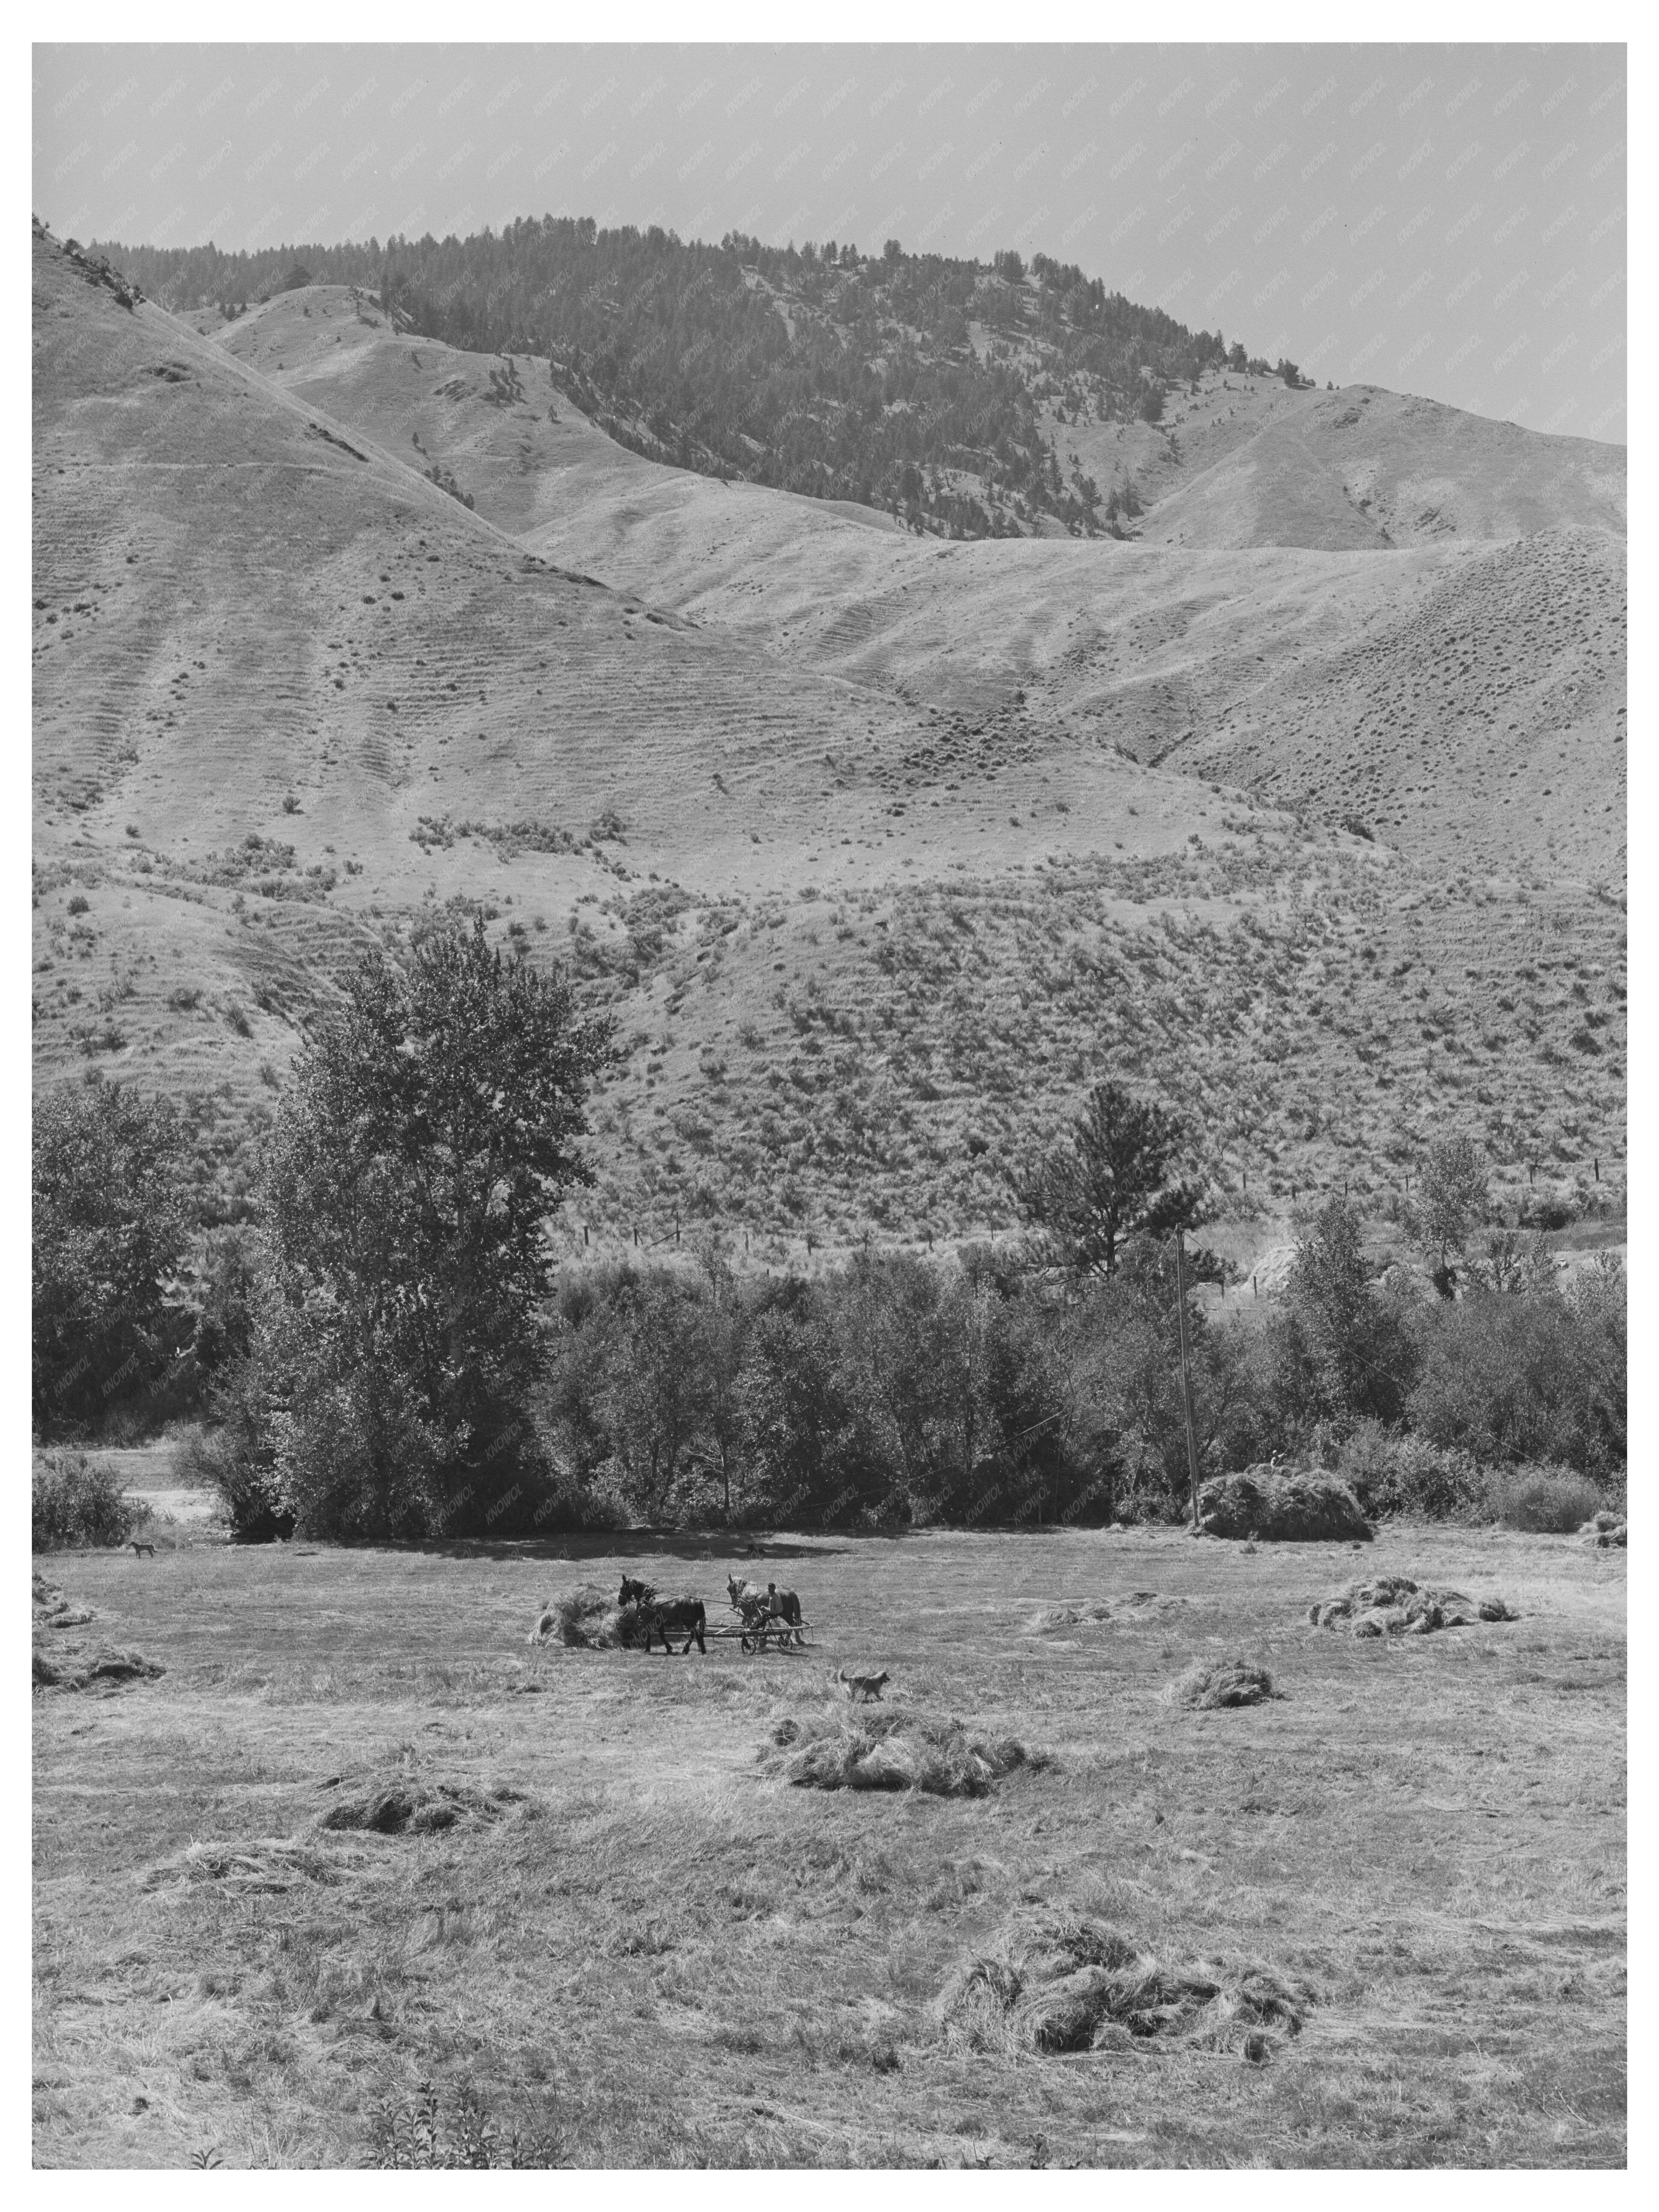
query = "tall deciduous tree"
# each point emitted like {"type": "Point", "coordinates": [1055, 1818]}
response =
{"type": "Point", "coordinates": [1112, 1179]}
{"type": "Point", "coordinates": [110, 1226]}
{"type": "Point", "coordinates": [1345, 1349]}
{"type": "Point", "coordinates": [434, 1123]}
{"type": "Point", "coordinates": [1450, 1203]}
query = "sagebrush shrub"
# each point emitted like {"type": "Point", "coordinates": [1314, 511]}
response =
{"type": "Point", "coordinates": [76, 1501]}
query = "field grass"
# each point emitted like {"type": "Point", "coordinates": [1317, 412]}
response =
{"type": "Point", "coordinates": [663, 1957]}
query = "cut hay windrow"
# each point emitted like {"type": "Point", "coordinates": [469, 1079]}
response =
{"type": "Point", "coordinates": [1104, 1612]}
{"type": "Point", "coordinates": [1280, 1506]}
{"type": "Point", "coordinates": [1210, 1685]}
{"type": "Point", "coordinates": [860, 1749]}
{"type": "Point", "coordinates": [1393, 1605]}
{"type": "Point", "coordinates": [1057, 1984]}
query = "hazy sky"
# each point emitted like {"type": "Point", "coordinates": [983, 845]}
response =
{"type": "Point", "coordinates": [1443, 220]}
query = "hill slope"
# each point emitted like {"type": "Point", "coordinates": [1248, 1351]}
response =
{"type": "Point", "coordinates": [863, 947]}
{"type": "Point", "coordinates": [1465, 624]}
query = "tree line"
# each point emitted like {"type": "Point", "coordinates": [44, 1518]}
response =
{"type": "Point", "coordinates": [394, 1351]}
{"type": "Point", "coordinates": [872, 390]}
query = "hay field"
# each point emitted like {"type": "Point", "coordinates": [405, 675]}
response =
{"type": "Point", "coordinates": [665, 1957]}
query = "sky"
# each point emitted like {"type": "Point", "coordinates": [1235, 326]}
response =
{"type": "Point", "coordinates": [1449, 220]}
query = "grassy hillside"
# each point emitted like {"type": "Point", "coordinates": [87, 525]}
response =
{"type": "Point", "coordinates": [863, 836]}
{"type": "Point", "coordinates": [910, 382]}
{"type": "Point", "coordinates": [1453, 681]}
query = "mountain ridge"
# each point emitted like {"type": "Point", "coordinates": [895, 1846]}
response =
{"type": "Point", "coordinates": [867, 925]}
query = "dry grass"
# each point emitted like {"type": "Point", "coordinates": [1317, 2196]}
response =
{"type": "Point", "coordinates": [681, 1960]}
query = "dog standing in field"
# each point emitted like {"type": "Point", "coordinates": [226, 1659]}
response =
{"type": "Point", "coordinates": [861, 1689]}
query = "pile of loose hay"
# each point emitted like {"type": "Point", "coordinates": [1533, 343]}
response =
{"type": "Point", "coordinates": [70, 1666]}
{"type": "Point", "coordinates": [1059, 1985]}
{"type": "Point", "coordinates": [1393, 1605]}
{"type": "Point", "coordinates": [862, 1748]}
{"type": "Point", "coordinates": [1209, 1684]}
{"type": "Point", "coordinates": [1111, 1611]}
{"type": "Point", "coordinates": [402, 1804]}
{"type": "Point", "coordinates": [261, 1866]}
{"type": "Point", "coordinates": [1605, 1530]}
{"type": "Point", "coordinates": [589, 1618]}
{"type": "Point", "coordinates": [75, 1670]}
{"type": "Point", "coordinates": [1301, 1505]}
{"type": "Point", "coordinates": [53, 1610]}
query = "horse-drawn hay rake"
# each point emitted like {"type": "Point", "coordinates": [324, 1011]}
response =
{"type": "Point", "coordinates": [773, 1629]}
{"type": "Point", "coordinates": [770, 1617]}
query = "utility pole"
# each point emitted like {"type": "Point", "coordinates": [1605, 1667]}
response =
{"type": "Point", "coordinates": [1186, 1377]}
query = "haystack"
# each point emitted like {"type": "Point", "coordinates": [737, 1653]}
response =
{"type": "Point", "coordinates": [1393, 1605]}
{"type": "Point", "coordinates": [860, 1748]}
{"type": "Point", "coordinates": [1210, 1684]}
{"type": "Point", "coordinates": [1057, 1984]}
{"type": "Point", "coordinates": [1605, 1531]}
{"type": "Point", "coordinates": [1300, 1505]}
{"type": "Point", "coordinates": [589, 1618]}
{"type": "Point", "coordinates": [403, 1804]}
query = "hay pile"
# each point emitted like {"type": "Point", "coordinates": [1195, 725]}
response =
{"type": "Point", "coordinates": [70, 1666]}
{"type": "Point", "coordinates": [404, 1805]}
{"type": "Point", "coordinates": [864, 1748]}
{"type": "Point", "coordinates": [1108, 1611]}
{"type": "Point", "coordinates": [261, 1866]}
{"type": "Point", "coordinates": [53, 1610]}
{"type": "Point", "coordinates": [590, 1618]}
{"type": "Point", "coordinates": [1059, 1985]}
{"type": "Point", "coordinates": [1300, 1505]}
{"type": "Point", "coordinates": [1393, 1605]}
{"type": "Point", "coordinates": [1605, 1530]}
{"type": "Point", "coordinates": [1212, 1684]}
{"type": "Point", "coordinates": [75, 1670]}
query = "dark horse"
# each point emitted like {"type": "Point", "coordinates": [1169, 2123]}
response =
{"type": "Point", "coordinates": [658, 1616]}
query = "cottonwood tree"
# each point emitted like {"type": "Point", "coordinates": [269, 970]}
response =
{"type": "Point", "coordinates": [1342, 1348]}
{"type": "Point", "coordinates": [1451, 1201]}
{"type": "Point", "coordinates": [111, 1223]}
{"type": "Point", "coordinates": [1111, 1179]}
{"type": "Point", "coordinates": [434, 1123]}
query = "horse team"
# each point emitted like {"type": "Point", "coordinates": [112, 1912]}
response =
{"type": "Point", "coordinates": [757, 1609]}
